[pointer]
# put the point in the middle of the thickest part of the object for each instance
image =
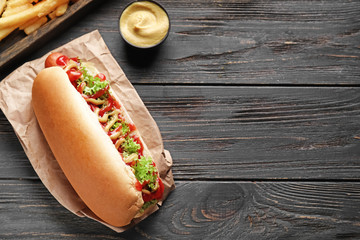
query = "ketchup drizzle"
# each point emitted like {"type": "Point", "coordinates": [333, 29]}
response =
{"type": "Point", "coordinates": [74, 75]}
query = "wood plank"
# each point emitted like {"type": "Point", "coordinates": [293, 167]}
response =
{"type": "Point", "coordinates": [254, 42]}
{"type": "Point", "coordinates": [238, 42]}
{"type": "Point", "coordinates": [242, 133]}
{"type": "Point", "coordinates": [250, 133]}
{"type": "Point", "coordinates": [216, 210]}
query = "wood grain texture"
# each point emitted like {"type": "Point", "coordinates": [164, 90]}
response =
{"type": "Point", "coordinates": [198, 210]}
{"type": "Point", "coordinates": [237, 42]}
{"type": "Point", "coordinates": [259, 133]}
{"type": "Point", "coordinates": [261, 42]}
{"type": "Point", "coordinates": [258, 102]}
{"type": "Point", "coordinates": [243, 133]}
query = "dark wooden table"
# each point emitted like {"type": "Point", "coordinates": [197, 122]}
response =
{"type": "Point", "coordinates": [258, 103]}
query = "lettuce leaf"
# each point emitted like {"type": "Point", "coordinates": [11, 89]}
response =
{"type": "Point", "coordinates": [93, 84]}
{"type": "Point", "coordinates": [130, 146]}
{"type": "Point", "coordinates": [125, 128]}
{"type": "Point", "coordinates": [113, 127]}
{"type": "Point", "coordinates": [146, 171]}
{"type": "Point", "coordinates": [147, 204]}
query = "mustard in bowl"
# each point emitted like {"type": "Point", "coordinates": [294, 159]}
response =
{"type": "Point", "coordinates": [144, 24]}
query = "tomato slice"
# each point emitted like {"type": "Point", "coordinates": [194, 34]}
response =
{"type": "Point", "coordinates": [73, 74]}
{"type": "Point", "coordinates": [101, 76]}
{"type": "Point", "coordinates": [138, 185]}
{"type": "Point", "coordinates": [107, 108]}
{"type": "Point", "coordinates": [159, 193]}
{"type": "Point", "coordinates": [62, 61]}
{"type": "Point", "coordinates": [100, 92]}
{"type": "Point", "coordinates": [80, 88]}
{"type": "Point", "coordinates": [75, 59]}
{"type": "Point", "coordinates": [155, 195]}
{"type": "Point", "coordinates": [132, 127]}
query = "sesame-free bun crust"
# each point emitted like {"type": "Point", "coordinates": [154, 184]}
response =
{"type": "Point", "coordinates": [83, 150]}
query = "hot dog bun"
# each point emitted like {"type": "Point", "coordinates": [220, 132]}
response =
{"type": "Point", "coordinates": [84, 152]}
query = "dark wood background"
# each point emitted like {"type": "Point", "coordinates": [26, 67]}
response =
{"type": "Point", "coordinates": [258, 103]}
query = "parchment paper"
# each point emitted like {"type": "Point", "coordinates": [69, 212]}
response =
{"type": "Point", "coordinates": [15, 102]}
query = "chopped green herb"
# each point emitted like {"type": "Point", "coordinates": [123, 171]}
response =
{"type": "Point", "coordinates": [113, 127]}
{"type": "Point", "coordinates": [125, 128]}
{"type": "Point", "coordinates": [130, 146]}
{"type": "Point", "coordinates": [146, 171]}
{"type": "Point", "coordinates": [147, 204]}
{"type": "Point", "coordinates": [93, 84]}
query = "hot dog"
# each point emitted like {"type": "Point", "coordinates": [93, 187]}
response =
{"type": "Point", "coordinates": [94, 140]}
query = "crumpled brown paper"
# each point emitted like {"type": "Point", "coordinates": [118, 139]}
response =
{"type": "Point", "coordinates": [15, 102]}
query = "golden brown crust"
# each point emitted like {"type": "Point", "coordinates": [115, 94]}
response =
{"type": "Point", "coordinates": [83, 150]}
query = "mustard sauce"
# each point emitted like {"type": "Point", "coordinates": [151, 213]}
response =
{"type": "Point", "coordinates": [144, 24]}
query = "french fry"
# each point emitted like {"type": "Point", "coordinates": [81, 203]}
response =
{"type": "Point", "coordinates": [36, 25]}
{"type": "Point", "coordinates": [2, 6]}
{"type": "Point", "coordinates": [5, 32]}
{"type": "Point", "coordinates": [41, 9]}
{"type": "Point", "coordinates": [52, 15]}
{"type": "Point", "coordinates": [28, 23]}
{"type": "Point", "coordinates": [60, 10]}
{"type": "Point", "coordinates": [28, 15]}
{"type": "Point", "coordinates": [49, 6]}
{"type": "Point", "coordinates": [12, 7]}
{"type": "Point", "coordinates": [11, 10]}
{"type": "Point", "coordinates": [16, 3]}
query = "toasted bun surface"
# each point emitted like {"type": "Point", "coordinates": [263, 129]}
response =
{"type": "Point", "coordinates": [84, 152]}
